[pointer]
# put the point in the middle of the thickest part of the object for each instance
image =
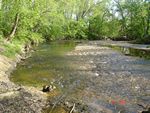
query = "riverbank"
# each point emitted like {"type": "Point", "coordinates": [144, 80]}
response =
{"type": "Point", "coordinates": [90, 77]}
{"type": "Point", "coordinates": [137, 50]}
{"type": "Point", "coordinates": [16, 98]}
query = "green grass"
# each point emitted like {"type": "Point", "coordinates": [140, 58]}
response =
{"type": "Point", "coordinates": [10, 49]}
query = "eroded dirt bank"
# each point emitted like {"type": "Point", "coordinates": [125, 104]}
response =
{"type": "Point", "coordinates": [15, 98]}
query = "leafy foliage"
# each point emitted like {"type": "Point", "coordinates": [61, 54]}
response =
{"type": "Point", "coordinates": [38, 20]}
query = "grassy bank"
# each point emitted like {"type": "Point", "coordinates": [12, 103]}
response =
{"type": "Point", "coordinates": [16, 46]}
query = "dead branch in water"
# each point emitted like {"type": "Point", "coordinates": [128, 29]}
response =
{"type": "Point", "coordinates": [72, 108]}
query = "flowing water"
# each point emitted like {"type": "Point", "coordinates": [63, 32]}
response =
{"type": "Point", "coordinates": [45, 64]}
{"type": "Point", "coordinates": [94, 78]}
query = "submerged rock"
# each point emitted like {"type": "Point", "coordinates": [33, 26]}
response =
{"type": "Point", "coordinates": [48, 88]}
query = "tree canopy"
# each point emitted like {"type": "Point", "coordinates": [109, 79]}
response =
{"type": "Point", "coordinates": [36, 20]}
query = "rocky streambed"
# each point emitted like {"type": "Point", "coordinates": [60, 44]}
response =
{"type": "Point", "coordinates": [105, 81]}
{"type": "Point", "coordinates": [16, 98]}
{"type": "Point", "coordinates": [90, 78]}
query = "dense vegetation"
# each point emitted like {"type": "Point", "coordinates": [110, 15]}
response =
{"type": "Point", "coordinates": [26, 21]}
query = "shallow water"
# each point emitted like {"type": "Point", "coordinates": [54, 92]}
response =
{"type": "Point", "coordinates": [45, 65]}
{"type": "Point", "coordinates": [96, 78]}
{"type": "Point", "coordinates": [143, 53]}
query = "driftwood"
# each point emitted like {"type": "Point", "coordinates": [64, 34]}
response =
{"type": "Point", "coordinates": [72, 108]}
{"type": "Point", "coordinates": [59, 99]}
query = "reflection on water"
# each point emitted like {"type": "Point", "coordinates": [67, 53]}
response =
{"type": "Point", "coordinates": [46, 65]}
{"type": "Point", "coordinates": [144, 53]}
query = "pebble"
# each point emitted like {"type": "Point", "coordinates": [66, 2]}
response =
{"type": "Point", "coordinates": [16, 99]}
{"type": "Point", "coordinates": [96, 74]}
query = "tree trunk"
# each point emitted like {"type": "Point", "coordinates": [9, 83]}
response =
{"type": "Point", "coordinates": [14, 28]}
{"type": "Point", "coordinates": [147, 22]}
{"type": "Point", "coordinates": [123, 21]}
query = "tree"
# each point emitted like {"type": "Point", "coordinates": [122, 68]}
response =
{"type": "Point", "coordinates": [35, 20]}
{"type": "Point", "coordinates": [147, 25]}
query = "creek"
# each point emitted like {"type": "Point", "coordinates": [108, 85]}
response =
{"type": "Point", "coordinates": [91, 76]}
